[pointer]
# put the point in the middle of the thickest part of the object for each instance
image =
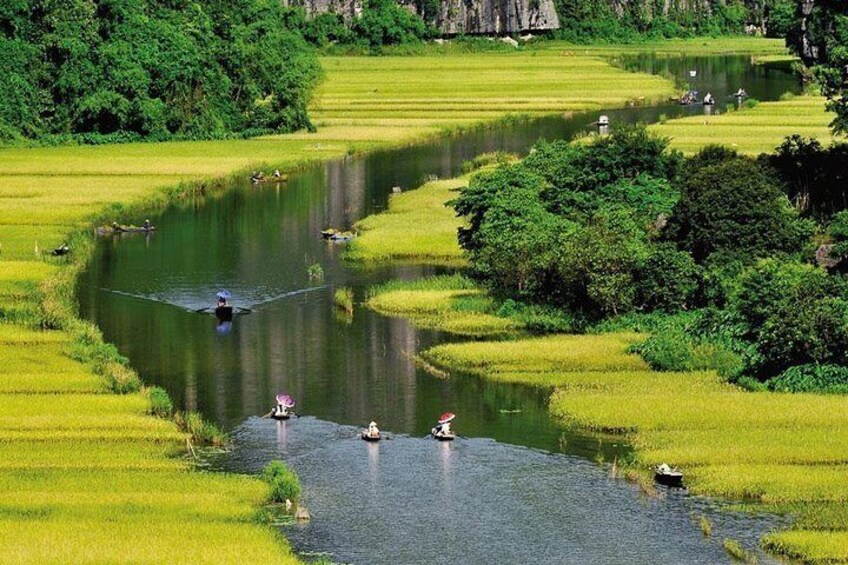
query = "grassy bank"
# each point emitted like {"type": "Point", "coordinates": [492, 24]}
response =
{"type": "Point", "coordinates": [417, 227]}
{"type": "Point", "coordinates": [785, 452]}
{"type": "Point", "coordinates": [450, 303]}
{"type": "Point", "coordinates": [88, 475]}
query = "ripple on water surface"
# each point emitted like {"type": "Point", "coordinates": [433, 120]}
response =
{"type": "Point", "coordinates": [413, 500]}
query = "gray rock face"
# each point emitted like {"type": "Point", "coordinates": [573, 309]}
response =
{"type": "Point", "coordinates": [471, 17]}
{"type": "Point", "coordinates": [496, 16]}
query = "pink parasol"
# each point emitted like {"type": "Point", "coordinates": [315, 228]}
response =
{"type": "Point", "coordinates": [446, 417]}
{"type": "Point", "coordinates": [285, 400]}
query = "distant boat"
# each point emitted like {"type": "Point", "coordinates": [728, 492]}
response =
{"type": "Point", "coordinates": [367, 437]}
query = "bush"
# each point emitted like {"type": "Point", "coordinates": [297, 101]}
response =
{"type": "Point", "coordinates": [811, 378]}
{"type": "Point", "coordinates": [668, 350]}
{"type": "Point", "coordinates": [284, 482]}
{"type": "Point", "coordinates": [343, 297]}
{"type": "Point", "coordinates": [668, 280]}
{"type": "Point", "coordinates": [160, 402]}
{"type": "Point", "coordinates": [201, 431]}
{"type": "Point", "coordinates": [538, 318]}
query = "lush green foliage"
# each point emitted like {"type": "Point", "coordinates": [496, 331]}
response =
{"type": "Point", "coordinates": [819, 35]}
{"type": "Point", "coordinates": [620, 225]}
{"type": "Point", "coordinates": [812, 378]}
{"type": "Point", "coordinates": [729, 204]}
{"type": "Point", "coordinates": [587, 20]}
{"type": "Point", "coordinates": [285, 484]}
{"type": "Point", "coordinates": [571, 225]}
{"type": "Point", "coordinates": [127, 68]}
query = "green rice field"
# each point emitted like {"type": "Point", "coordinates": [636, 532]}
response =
{"type": "Point", "coordinates": [752, 131]}
{"type": "Point", "coordinates": [88, 476]}
{"type": "Point", "coordinates": [418, 226]}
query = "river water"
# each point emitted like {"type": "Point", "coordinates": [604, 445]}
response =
{"type": "Point", "coordinates": [518, 489]}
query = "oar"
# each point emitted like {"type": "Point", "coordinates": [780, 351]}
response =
{"type": "Point", "coordinates": [268, 415]}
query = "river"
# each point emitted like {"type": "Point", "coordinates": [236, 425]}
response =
{"type": "Point", "coordinates": [518, 489]}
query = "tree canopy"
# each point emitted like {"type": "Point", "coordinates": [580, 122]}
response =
{"type": "Point", "coordinates": [154, 68]}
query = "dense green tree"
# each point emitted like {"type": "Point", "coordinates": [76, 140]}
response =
{"type": "Point", "coordinates": [151, 67]}
{"type": "Point", "coordinates": [385, 22]}
{"type": "Point", "coordinates": [735, 207]}
{"type": "Point", "coordinates": [668, 279]}
{"type": "Point", "coordinates": [571, 168]}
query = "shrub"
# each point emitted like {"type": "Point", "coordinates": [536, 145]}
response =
{"type": "Point", "coordinates": [200, 430]}
{"type": "Point", "coordinates": [160, 402]}
{"type": "Point", "coordinates": [812, 378]}
{"type": "Point", "coordinates": [284, 482]}
{"type": "Point", "coordinates": [343, 297]}
{"type": "Point", "coordinates": [315, 272]}
{"type": "Point", "coordinates": [667, 350]}
{"type": "Point", "coordinates": [668, 280]}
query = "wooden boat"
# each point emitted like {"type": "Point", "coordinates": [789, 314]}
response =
{"type": "Point", "coordinates": [364, 435]}
{"type": "Point", "coordinates": [224, 313]}
{"type": "Point", "coordinates": [442, 437]}
{"type": "Point", "coordinates": [328, 233]}
{"type": "Point", "coordinates": [667, 476]}
{"type": "Point", "coordinates": [341, 237]}
{"type": "Point", "coordinates": [111, 230]}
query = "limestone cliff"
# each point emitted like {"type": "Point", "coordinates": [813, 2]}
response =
{"type": "Point", "coordinates": [471, 17]}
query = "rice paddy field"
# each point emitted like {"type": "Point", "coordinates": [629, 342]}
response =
{"type": "Point", "coordinates": [418, 226]}
{"type": "Point", "coordinates": [752, 131]}
{"type": "Point", "coordinates": [89, 476]}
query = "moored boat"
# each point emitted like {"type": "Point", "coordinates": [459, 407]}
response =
{"type": "Point", "coordinates": [670, 477]}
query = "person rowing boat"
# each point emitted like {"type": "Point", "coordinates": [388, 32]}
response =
{"type": "Point", "coordinates": [372, 433]}
{"type": "Point", "coordinates": [442, 431]}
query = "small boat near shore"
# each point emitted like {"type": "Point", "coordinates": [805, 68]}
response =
{"type": "Point", "coordinates": [670, 477]}
{"type": "Point", "coordinates": [367, 437]}
{"type": "Point", "coordinates": [337, 236]}
{"type": "Point", "coordinates": [119, 229]}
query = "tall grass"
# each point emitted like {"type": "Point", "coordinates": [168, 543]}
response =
{"type": "Point", "coordinates": [343, 298]}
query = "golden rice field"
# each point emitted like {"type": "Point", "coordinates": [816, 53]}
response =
{"type": "Point", "coordinates": [87, 476]}
{"type": "Point", "coordinates": [752, 131]}
{"type": "Point", "coordinates": [784, 452]}
{"type": "Point", "coordinates": [418, 226]}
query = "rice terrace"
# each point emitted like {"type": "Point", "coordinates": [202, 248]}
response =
{"type": "Point", "coordinates": [383, 282]}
